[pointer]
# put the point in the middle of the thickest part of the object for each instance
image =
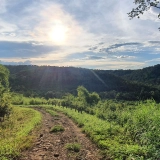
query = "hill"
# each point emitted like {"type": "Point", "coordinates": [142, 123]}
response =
{"type": "Point", "coordinates": [149, 75]}
{"type": "Point", "coordinates": [51, 81]}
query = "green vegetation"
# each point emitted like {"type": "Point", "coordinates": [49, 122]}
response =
{"type": "Point", "coordinates": [55, 82]}
{"type": "Point", "coordinates": [19, 99]}
{"type": "Point", "coordinates": [14, 133]}
{"type": "Point", "coordinates": [57, 128]}
{"type": "Point", "coordinates": [75, 147]}
{"type": "Point", "coordinates": [5, 107]}
{"type": "Point", "coordinates": [53, 113]}
{"type": "Point", "coordinates": [123, 131]}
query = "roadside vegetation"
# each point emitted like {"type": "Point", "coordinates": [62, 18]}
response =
{"type": "Point", "coordinates": [15, 132]}
{"type": "Point", "coordinates": [121, 129]}
{"type": "Point", "coordinates": [129, 133]}
{"type": "Point", "coordinates": [15, 122]}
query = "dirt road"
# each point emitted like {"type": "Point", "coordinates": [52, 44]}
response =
{"type": "Point", "coordinates": [52, 146]}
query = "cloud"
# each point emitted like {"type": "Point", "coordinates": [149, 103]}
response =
{"type": "Point", "coordinates": [95, 57]}
{"type": "Point", "coordinates": [154, 42]}
{"type": "Point", "coordinates": [125, 57]}
{"type": "Point", "coordinates": [98, 33]}
{"type": "Point", "coordinates": [114, 47]}
{"type": "Point", "coordinates": [24, 49]}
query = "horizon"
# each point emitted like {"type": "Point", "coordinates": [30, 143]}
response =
{"type": "Point", "coordinates": [86, 34]}
{"type": "Point", "coordinates": [74, 67]}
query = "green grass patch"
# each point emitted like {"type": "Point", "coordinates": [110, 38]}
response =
{"type": "Point", "coordinates": [57, 128]}
{"type": "Point", "coordinates": [75, 147]}
{"type": "Point", "coordinates": [14, 133]}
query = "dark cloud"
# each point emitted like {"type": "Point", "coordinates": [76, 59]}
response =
{"type": "Point", "coordinates": [119, 45]}
{"type": "Point", "coordinates": [93, 48]}
{"type": "Point", "coordinates": [23, 49]}
{"type": "Point", "coordinates": [101, 43]}
{"type": "Point", "coordinates": [95, 57]}
{"type": "Point", "coordinates": [154, 42]}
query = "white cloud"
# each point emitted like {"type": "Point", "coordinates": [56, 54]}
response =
{"type": "Point", "coordinates": [125, 57]}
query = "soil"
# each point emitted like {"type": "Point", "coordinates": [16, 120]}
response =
{"type": "Point", "coordinates": [52, 146]}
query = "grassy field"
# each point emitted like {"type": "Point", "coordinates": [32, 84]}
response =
{"type": "Point", "coordinates": [14, 132]}
{"type": "Point", "coordinates": [130, 134]}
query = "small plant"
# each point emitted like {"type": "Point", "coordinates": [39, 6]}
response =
{"type": "Point", "coordinates": [53, 113]}
{"type": "Point", "coordinates": [57, 128]}
{"type": "Point", "coordinates": [73, 147]}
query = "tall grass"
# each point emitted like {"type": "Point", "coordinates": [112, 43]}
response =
{"type": "Point", "coordinates": [19, 99]}
{"type": "Point", "coordinates": [14, 133]}
{"type": "Point", "coordinates": [129, 133]}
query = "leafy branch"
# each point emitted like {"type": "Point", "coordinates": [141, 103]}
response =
{"type": "Point", "coordinates": [143, 6]}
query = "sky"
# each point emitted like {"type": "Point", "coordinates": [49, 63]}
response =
{"type": "Point", "coordinates": [94, 34]}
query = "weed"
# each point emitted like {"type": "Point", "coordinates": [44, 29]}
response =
{"type": "Point", "coordinates": [75, 147]}
{"type": "Point", "coordinates": [57, 128]}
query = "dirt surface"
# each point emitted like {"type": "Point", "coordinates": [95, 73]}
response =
{"type": "Point", "coordinates": [52, 146]}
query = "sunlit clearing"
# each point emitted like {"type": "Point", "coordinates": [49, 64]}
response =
{"type": "Point", "coordinates": [58, 34]}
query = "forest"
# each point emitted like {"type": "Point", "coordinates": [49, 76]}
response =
{"type": "Point", "coordinates": [54, 82]}
{"type": "Point", "coordinates": [118, 110]}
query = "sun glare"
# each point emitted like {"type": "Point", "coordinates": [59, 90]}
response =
{"type": "Point", "coordinates": [58, 34]}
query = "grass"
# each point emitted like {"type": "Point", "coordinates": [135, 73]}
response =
{"type": "Point", "coordinates": [14, 133]}
{"type": "Point", "coordinates": [53, 113]}
{"type": "Point", "coordinates": [75, 147]}
{"type": "Point", "coordinates": [57, 128]}
{"type": "Point", "coordinates": [131, 134]}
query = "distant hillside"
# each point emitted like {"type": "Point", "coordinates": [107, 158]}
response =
{"type": "Point", "coordinates": [148, 75]}
{"type": "Point", "coordinates": [54, 81]}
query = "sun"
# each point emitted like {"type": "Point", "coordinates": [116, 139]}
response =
{"type": "Point", "coordinates": [58, 34]}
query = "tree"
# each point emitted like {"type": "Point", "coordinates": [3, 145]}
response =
{"type": "Point", "coordinates": [83, 94]}
{"type": "Point", "coordinates": [143, 6]}
{"type": "Point", "coordinates": [4, 92]}
{"type": "Point", "coordinates": [4, 76]}
{"type": "Point", "coordinates": [94, 98]}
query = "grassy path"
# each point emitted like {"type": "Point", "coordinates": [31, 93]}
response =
{"type": "Point", "coordinates": [68, 144]}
